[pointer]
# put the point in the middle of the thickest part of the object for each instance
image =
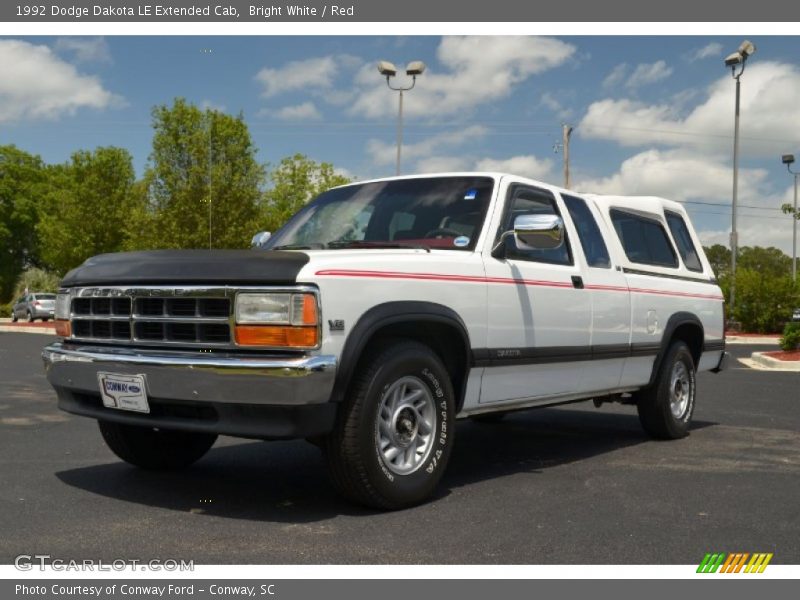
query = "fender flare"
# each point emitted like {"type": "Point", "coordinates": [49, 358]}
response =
{"type": "Point", "coordinates": [676, 320]}
{"type": "Point", "coordinates": [390, 313]}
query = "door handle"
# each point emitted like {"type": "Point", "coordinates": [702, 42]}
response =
{"type": "Point", "coordinates": [577, 282]}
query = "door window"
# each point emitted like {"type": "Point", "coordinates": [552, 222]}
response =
{"type": "Point", "coordinates": [531, 201]}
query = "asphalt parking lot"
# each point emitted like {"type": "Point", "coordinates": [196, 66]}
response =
{"type": "Point", "coordinates": [563, 485]}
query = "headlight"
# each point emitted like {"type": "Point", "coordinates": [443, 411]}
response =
{"type": "Point", "coordinates": [62, 306]}
{"type": "Point", "coordinates": [263, 308]}
{"type": "Point", "coordinates": [276, 309]}
{"type": "Point", "coordinates": [277, 319]}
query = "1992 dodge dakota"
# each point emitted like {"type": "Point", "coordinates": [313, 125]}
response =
{"type": "Point", "coordinates": [382, 312]}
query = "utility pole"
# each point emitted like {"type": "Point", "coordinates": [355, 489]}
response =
{"type": "Point", "coordinates": [566, 133]}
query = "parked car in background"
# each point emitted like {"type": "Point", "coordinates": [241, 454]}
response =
{"type": "Point", "coordinates": [796, 314]}
{"type": "Point", "coordinates": [34, 306]}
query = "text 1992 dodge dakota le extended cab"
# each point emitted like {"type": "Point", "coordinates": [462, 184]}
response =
{"type": "Point", "coordinates": [383, 311]}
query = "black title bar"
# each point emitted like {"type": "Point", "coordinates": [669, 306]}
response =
{"type": "Point", "coordinates": [459, 11]}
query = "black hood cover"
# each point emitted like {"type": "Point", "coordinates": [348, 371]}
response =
{"type": "Point", "coordinates": [223, 267]}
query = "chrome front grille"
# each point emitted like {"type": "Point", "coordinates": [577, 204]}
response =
{"type": "Point", "coordinates": [187, 316]}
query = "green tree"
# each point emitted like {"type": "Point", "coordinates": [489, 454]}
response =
{"type": "Point", "coordinates": [89, 207]}
{"type": "Point", "coordinates": [764, 300]}
{"type": "Point", "coordinates": [203, 162]}
{"type": "Point", "coordinates": [772, 262]}
{"type": "Point", "coordinates": [789, 210]}
{"type": "Point", "coordinates": [720, 258]}
{"type": "Point", "coordinates": [22, 190]}
{"type": "Point", "coordinates": [295, 181]}
{"type": "Point", "coordinates": [36, 280]}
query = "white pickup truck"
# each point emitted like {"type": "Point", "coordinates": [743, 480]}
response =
{"type": "Point", "coordinates": [381, 313]}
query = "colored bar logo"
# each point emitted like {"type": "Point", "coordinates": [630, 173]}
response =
{"type": "Point", "coordinates": [737, 562]}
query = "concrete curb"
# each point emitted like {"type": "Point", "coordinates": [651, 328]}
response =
{"type": "Point", "coordinates": [24, 329]}
{"type": "Point", "coordinates": [754, 340]}
{"type": "Point", "coordinates": [773, 364]}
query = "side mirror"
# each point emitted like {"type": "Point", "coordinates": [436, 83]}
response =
{"type": "Point", "coordinates": [544, 232]}
{"type": "Point", "coordinates": [533, 232]}
{"type": "Point", "coordinates": [260, 239]}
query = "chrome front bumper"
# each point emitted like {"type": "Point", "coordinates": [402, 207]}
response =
{"type": "Point", "coordinates": [197, 377]}
{"type": "Point", "coordinates": [244, 395]}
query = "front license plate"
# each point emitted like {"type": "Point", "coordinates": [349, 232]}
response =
{"type": "Point", "coordinates": [124, 392]}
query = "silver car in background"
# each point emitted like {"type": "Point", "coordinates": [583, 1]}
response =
{"type": "Point", "coordinates": [34, 306]}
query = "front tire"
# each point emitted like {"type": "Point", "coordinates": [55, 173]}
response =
{"type": "Point", "coordinates": [666, 408]}
{"type": "Point", "coordinates": [14, 317]}
{"type": "Point", "coordinates": [153, 449]}
{"type": "Point", "coordinates": [394, 432]}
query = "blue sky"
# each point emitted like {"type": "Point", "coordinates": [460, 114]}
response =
{"type": "Point", "coordinates": [652, 115]}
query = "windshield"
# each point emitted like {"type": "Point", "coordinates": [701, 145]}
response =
{"type": "Point", "coordinates": [433, 212]}
{"type": "Point", "coordinates": [45, 296]}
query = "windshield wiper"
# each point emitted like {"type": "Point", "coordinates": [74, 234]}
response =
{"type": "Point", "coordinates": [312, 246]}
{"type": "Point", "coordinates": [368, 244]}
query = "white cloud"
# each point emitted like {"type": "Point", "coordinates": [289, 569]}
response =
{"type": "Point", "coordinates": [37, 84]}
{"type": "Point", "coordinates": [616, 76]}
{"type": "Point", "coordinates": [306, 111]}
{"type": "Point", "coordinates": [769, 107]}
{"type": "Point", "coordinates": [211, 105]}
{"type": "Point", "coordinates": [753, 232]}
{"type": "Point", "coordinates": [551, 102]}
{"type": "Point", "coordinates": [83, 49]}
{"type": "Point", "coordinates": [524, 165]}
{"type": "Point", "coordinates": [478, 70]}
{"type": "Point", "coordinates": [678, 175]}
{"type": "Point", "coordinates": [642, 74]}
{"type": "Point", "coordinates": [443, 164]}
{"type": "Point", "coordinates": [647, 73]}
{"type": "Point", "coordinates": [313, 73]}
{"type": "Point", "coordinates": [384, 153]}
{"type": "Point", "coordinates": [708, 51]}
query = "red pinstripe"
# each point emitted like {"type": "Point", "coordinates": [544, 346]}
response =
{"type": "Point", "coordinates": [506, 280]}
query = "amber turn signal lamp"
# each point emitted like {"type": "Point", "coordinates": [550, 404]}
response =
{"type": "Point", "coordinates": [63, 328]}
{"type": "Point", "coordinates": [278, 336]}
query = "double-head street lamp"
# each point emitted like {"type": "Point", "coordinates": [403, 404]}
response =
{"type": "Point", "coordinates": [388, 70]}
{"type": "Point", "coordinates": [788, 160]}
{"type": "Point", "coordinates": [736, 62]}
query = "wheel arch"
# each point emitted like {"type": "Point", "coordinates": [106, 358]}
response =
{"type": "Point", "coordinates": [435, 325]}
{"type": "Point", "coordinates": [684, 326]}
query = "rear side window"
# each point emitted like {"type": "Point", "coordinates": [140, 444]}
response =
{"type": "Point", "coordinates": [594, 247]}
{"type": "Point", "coordinates": [680, 233]}
{"type": "Point", "coordinates": [645, 241]}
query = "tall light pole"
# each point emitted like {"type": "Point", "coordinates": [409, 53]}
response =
{"type": "Point", "coordinates": [210, 117]}
{"type": "Point", "coordinates": [736, 62]}
{"type": "Point", "coordinates": [566, 134]}
{"type": "Point", "coordinates": [388, 70]}
{"type": "Point", "coordinates": [788, 159]}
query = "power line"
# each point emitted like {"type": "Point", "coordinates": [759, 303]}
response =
{"type": "Point", "coordinates": [711, 212]}
{"type": "Point", "coordinates": [728, 205]}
